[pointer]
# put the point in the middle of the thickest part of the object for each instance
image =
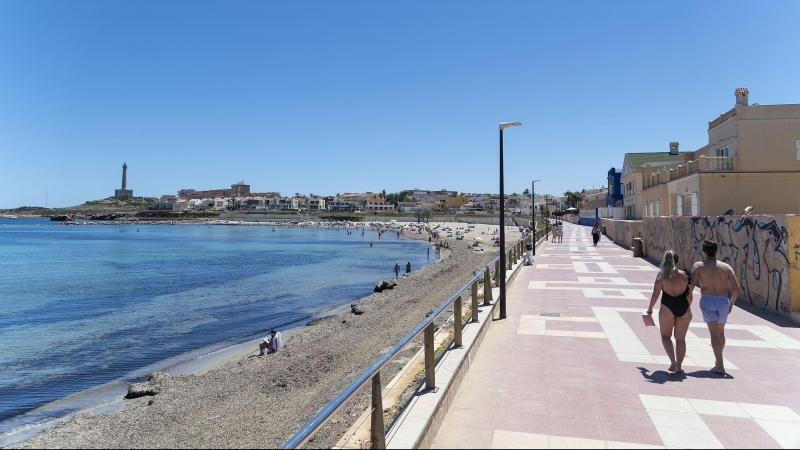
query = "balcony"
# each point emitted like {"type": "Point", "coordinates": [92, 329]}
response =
{"type": "Point", "coordinates": [703, 164]}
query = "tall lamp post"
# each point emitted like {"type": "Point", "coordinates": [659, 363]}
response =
{"type": "Point", "coordinates": [502, 277]}
{"type": "Point", "coordinates": [533, 216]}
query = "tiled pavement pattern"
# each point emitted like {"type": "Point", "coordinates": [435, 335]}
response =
{"type": "Point", "coordinates": [596, 377]}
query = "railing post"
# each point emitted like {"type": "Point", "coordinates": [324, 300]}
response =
{"type": "Point", "coordinates": [497, 272]}
{"type": "Point", "coordinates": [457, 324]}
{"type": "Point", "coordinates": [474, 294]}
{"type": "Point", "coordinates": [378, 434]}
{"type": "Point", "coordinates": [487, 287]}
{"type": "Point", "coordinates": [430, 358]}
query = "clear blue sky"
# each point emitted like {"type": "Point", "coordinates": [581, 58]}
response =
{"type": "Point", "coordinates": [329, 97]}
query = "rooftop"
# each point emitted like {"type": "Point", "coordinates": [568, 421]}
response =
{"type": "Point", "coordinates": [637, 160]}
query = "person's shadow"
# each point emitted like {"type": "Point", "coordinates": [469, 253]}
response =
{"type": "Point", "coordinates": [662, 376]}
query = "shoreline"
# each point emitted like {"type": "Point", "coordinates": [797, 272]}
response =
{"type": "Point", "coordinates": [219, 365]}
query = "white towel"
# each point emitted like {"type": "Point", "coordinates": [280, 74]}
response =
{"type": "Point", "coordinates": [277, 343]}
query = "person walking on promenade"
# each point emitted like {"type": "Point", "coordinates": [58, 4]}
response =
{"type": "Point", "coordinates": [560, 233]}
{"type": "Point", "coordinates": [555, 232]}
{"type": "Point", "coordinates": [408, 267]}
{"type": "Point", "coordinates": [397, 269]}
{"type": "Point", "coordinates": [675, 313]}
{"type": "Point", "coordinates": [596, 233]}
{"type": "Point", "coordinates": [714, 277]}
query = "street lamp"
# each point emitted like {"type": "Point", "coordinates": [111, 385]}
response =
{"type": "Point", "coordinates": [533, 216]}
{"type": "Point", "coordinates": [502, 276]}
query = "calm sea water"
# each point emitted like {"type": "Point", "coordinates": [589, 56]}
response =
{"type": "Point", "coordinates": [85, 306]}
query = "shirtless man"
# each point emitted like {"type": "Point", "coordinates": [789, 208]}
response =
{"type": "Point", "coordinates": [714, 277]}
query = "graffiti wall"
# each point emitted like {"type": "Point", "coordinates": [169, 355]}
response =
{"type": "Point", "coordinates": [755, 246]}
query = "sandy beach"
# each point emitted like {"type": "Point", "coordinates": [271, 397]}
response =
{"type": "Point", "coordinates": [244, 400]}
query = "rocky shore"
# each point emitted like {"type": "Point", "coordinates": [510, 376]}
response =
{"type": "Point", "coordinates": [259, 402]}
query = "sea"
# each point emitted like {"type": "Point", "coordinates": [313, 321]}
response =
{"type": "Point", "coordinates": [87, 310]}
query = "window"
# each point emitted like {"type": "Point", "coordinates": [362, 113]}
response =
{"type": "Point", "coordinates": [797, 148]}
{"type": "Point", "coordinates": [723, 151]}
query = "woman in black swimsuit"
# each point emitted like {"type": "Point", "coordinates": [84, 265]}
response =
{"type": "Point", "coordinates": [675, 312]}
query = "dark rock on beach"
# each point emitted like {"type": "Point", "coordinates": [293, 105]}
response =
{"type": "Point", "coordinates": [384, 285]}
{"type": "Point", "coordinates": [150, 387]}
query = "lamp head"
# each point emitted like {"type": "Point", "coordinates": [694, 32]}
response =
{"type": "Point", "coordinates": [505, 125]}
{"type": "Point", "coordinates": [535, 181]}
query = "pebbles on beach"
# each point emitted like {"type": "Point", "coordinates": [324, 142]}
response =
{"type": "Point", "coordinates": [262, 401]}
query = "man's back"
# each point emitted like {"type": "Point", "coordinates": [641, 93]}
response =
{"type": "Point", "coordinates": [713, 277]}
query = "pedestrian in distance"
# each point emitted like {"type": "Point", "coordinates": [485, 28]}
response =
{"type": "Point", "coordinates": [397, 269]}
{"type": "Point", "coordinates": [596, 233]}
{"type": "Point", "coordinates": [714, 277]}
{"type": "Point", "coordinates": [408, 267]}
{"type": "Point", "coordinates": [675, 313]}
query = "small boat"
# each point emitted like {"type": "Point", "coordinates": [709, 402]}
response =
{"type": "Point", "coordinates": [11, 217]}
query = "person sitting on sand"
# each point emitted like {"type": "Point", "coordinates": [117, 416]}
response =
{"type": "Point", "coordinates": [277, 341]}
{"type": "Point", "coordinates": [265, 345]}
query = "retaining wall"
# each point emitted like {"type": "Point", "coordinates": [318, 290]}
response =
{"type": "Point", "coordinates": [763, 250]}
{"type": "Point", "coordinates": [622, 231]}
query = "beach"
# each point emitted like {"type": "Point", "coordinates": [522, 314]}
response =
{"type": "Point", "coordinates": [243, 400]}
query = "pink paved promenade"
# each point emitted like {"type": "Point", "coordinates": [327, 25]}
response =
{"type": "Point", "coordinates": [596, 377]}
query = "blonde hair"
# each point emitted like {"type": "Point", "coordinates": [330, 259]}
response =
{"type": "Point", "coordinates": [668, 265]}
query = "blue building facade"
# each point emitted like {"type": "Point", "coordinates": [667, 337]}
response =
{"type": "Point", "coordinates": [614, 187]}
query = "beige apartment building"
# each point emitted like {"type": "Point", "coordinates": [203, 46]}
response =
{"type": "Point", "coordinates": [752, 159]}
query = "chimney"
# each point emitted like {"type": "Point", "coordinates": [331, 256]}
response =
{"type": "Point", "coordinates": [741, 96]}
{"type": "Point", "coordinates": [673, 148]}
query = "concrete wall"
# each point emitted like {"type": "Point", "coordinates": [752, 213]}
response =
{"type": "Point", "coordinates": [757, 247]}
{"type": "Point", "coordinates": [770, 193]}
{"type": "Point", "coordinates": [622, 231]}
{"type": "Point", "coordinates": [766, 137]}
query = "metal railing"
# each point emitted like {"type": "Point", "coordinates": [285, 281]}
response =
{"type": "Point", "coordinates": [373, 373]}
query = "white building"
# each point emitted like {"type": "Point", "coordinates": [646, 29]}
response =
{"type": "Point", "coordinates": [316, 204]}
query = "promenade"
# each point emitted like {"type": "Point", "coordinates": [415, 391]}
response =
{"type": "Point", "coordinates": [573, 366]}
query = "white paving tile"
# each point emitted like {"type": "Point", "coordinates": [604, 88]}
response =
{"type": "Point", "coordinates": [663, 403]}
{"type": "Point", "coordinates": [568, 442]}
{"type": "Point", "coordinates": [717, 408]}
{"type": "Point", "coordinates": [770, 412]}
{"type": "Point", "coordinates": [675, 419]}
{"type": "Point", "coordinates": [787, 434]}
{"type": "Point", "coordinates": [682, 438]}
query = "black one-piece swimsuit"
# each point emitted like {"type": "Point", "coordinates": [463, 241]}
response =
{"type": "Point", "coordinates": [678, 305]}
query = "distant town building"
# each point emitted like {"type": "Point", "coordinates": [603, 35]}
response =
{"type": "Point", "coordinates": [168, 206]}
{"type": "Point", "coordinates": [316, 204]}
{"type": "Point", "coordinates": [614, 194]}
{"type": "Point", "coordinates": [124, 192]}
{"type": "Point", "coordinates": [240, 189]}
{"type": "Point", "coordinates": [379, 205]}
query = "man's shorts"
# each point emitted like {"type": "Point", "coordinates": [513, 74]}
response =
{"type": "Point", "coordinates": [715, 308]}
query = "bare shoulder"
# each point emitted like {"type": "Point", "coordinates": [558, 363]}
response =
{"type": "Point", "coordinates": [697, 265]}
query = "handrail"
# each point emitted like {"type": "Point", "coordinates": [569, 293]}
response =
{"type": "Point", "coordinates": [307, 431]}
{"type": "Point", "coordinates": [312, 426]}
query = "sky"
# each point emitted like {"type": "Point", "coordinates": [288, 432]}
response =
{"type": "Point", "coordinates": [331, 97]}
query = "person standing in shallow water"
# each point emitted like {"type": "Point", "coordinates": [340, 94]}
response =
{"type": "Point", "coordinates": [408, 267]}
{"type": "Point", "coordinates": [675, 312]}
{"type": "Point", "coordinates": [397, 269]}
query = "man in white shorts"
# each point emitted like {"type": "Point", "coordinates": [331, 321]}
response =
{"type": "Point", "coordinates": [714, 277]}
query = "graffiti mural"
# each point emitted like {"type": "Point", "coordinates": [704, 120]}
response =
{"type": "Point", "coordinates": [755, 246]}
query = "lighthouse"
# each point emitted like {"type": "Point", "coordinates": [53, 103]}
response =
{"type": "Point", "coordinates": [124, 192]}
